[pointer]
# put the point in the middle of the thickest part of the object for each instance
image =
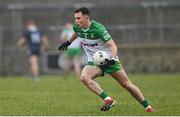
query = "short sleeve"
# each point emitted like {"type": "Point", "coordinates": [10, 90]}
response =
{"type": "Point", "coordinates": [104, 35]}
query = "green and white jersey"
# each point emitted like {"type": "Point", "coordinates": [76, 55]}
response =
{"type": "Point", "coordinates": [93, 39]}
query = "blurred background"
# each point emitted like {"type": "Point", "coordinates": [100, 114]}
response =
{"type": "Point", "coordinates": [146, 31]}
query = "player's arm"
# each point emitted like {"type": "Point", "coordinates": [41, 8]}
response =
{"type": "Point", "coordinates": [73, 37]}
{"type": "Point", "coordinates": [21, 41]}
{"type": "Point", "coordinates": [109, 41]}
{"type": "Point", "coordinates": [112, 46]}
{"type": "Point", "coordinates": [45, 42]}
{"type": "Point", "coordinates": [64, 45]}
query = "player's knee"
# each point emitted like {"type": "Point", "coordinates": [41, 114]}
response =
{"type": "Point", "coordinates": [85, 79]}
{"type": "Point", "coordinates": [126, 84]}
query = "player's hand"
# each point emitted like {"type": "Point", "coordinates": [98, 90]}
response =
{"type": "Point", "coordinates": [108, 62]}
{"type": "Point", "coordinates": [64, 46]}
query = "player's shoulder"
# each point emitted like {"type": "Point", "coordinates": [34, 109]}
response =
{"type": "Point", "coordinates": [96, 24]}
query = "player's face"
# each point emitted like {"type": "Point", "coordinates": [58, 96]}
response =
{"type": "Point", "coordinates": [80, 19]}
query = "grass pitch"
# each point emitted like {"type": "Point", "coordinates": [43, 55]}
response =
{"type": "Point", "coordinates": [55, 96]}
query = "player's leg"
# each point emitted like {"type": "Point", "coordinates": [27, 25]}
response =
{"type": "Point", "coordinates": [67, 65]}
{"type": "Point", "coordinates": [123, 79]}
{"type": "Point", "coordinates": [34, 67]}
{"type": "Point", "coordinates": [77, 66]}
{"type": "Point", "coordinates": [87, 76]}
{"type": "Point", "coordinates": [68, 61]}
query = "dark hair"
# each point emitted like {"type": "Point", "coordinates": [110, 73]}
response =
{"type": "Point", "coordinates": [83, 10]}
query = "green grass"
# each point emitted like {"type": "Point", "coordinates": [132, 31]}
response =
{"type": "Point", "coordinates": [54, 95]}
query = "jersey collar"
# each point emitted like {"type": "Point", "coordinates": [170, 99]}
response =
{"type": "Point", "coordinates": [85, 30]}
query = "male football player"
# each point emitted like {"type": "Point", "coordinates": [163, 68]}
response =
{"type": "Point", "coordinates": [73, 52]}
{"type": "Point", "coordinates": [34, 37]}
{"type": "Point", "coordinates": [96, 38]}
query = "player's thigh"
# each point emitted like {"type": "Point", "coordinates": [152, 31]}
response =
{"type": "Point", "coordinates": [67, 65]}
{"type": "Point", "coordinates": [91, 72]}
{"type": "Point", "coordinates": [68, 61]}
{"type": "Point", "coordinates": [76, 60]}
{"type": "Point", "coordinates": [33, 59]}
{"type": "Point", "coordinates": [121, 77]}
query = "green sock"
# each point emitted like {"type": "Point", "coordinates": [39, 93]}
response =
{"type": "Point", "coordinates": [103, 95]}
{"type": "Point", "coordinates": [145, 103]}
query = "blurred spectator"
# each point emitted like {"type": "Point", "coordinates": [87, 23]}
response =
{"type": "Point", "coordinates": [73, 53]}
{"type": "Point", "coordinates": [33, 37]}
